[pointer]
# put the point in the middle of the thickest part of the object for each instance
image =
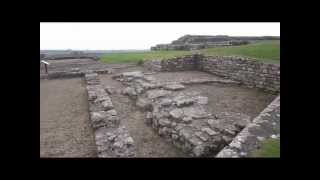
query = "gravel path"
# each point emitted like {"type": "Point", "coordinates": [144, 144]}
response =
{"type": "Point", "coordinates": [65, 129]}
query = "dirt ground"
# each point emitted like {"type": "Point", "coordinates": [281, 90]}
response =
{"type": "Point", "coordinates": [65, 129]}
{"type": "Point", "coordinates": [182, 76]}
{"type": "Point", "coordinates": [233, 98]}
{"type": "Point", "coordinates": [148, 142]}
{"type": "Point", "coordinates": [222, 97]}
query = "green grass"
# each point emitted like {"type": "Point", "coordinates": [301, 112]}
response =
{"type": "Point", "coordinates": [138, 56]}
{"type": "Point", "coordinates": [265, 51]}
{"type": "Point", "coordinates": [269, 148]}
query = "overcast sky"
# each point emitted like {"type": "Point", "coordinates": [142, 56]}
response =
{"type": "Point", "coordinates": [116, 36]}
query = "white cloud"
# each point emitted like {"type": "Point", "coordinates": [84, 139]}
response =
{"type": "Point", "coordinates": [107, 36]}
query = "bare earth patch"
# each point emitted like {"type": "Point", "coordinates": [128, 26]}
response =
{"type": "Point", "coordinates": [222, 97]}
{"type": "Point", "coordinates": [65, 129]}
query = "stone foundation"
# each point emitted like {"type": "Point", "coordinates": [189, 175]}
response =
{"type": "Point", "coordinates": [182, 118]}
{"type": "Point", "coordinates": [265, 125]}
{"type": "Point", "coordinates": [250, 72]}
{"type": "Point", "coordinates": [111, 139]}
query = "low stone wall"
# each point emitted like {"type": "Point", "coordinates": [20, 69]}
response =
{"type": "Point", "coordinates": [265, 125]}
{"type": "Point", "coordinates": [154, 64]}
{"type": "Point", "coordinates": [182, 117]}
{"type": "Point", "coordinates": [112, 140]}
{"type": "Point", "coordinates": [72, 73]}
{"type": "Point", "coordinates": [247, 71]}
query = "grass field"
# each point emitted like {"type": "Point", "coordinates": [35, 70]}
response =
{"type": "Point", "coordinates": [138, 56]}
{"type": "Point", "coordinates": [265, 51]}
{"type": "Point", "coordinates": [269, 148]}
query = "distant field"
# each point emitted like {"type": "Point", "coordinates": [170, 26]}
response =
{"type": "Point", "coordinates": [137, 56]}
{"type": "Point", "coordinates": [265, 51]}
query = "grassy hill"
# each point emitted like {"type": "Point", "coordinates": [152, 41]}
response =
{"type": "Point", "coordinates": [266, 51]}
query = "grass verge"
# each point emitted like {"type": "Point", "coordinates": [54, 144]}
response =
{"type": "Point", "coordinates": [268, 148]}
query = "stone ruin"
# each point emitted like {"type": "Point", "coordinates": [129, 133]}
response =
{"type": "Point", "coordinates": [181, 117]}
{"type": "Point", "coordinates": [111, 139]}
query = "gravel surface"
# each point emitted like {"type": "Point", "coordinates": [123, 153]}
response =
{"type": "Point", "coordinates": [65, 129]}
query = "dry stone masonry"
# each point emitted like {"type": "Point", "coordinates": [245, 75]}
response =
{"type": "Point", "coordinates": [244, 70]}
{"type": "Point", "coordinates": [265, 125]}
{"type": "Point", "coordinates": [182, 117]}
{"type": "Point", "coordinates": [112, 140]}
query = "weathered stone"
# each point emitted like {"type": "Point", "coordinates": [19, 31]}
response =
{"type": "Point", "coordinates": [146, 85]}
{"type": "Point", "coordinates": [164, 122]}
{"type": "Point", "coordinates": [227, 139]}
{"type": "Point", "coordinates": [195, 112]}
{"type": "Point", "coordinates": [174, 136]}
{"type": "Point", "coordinates": [209, 131]}
{"type": "Point", "coordinates": [110, 90]}
{"type": "Point", "coordinates": [187, 119]}
{"type": "Point", "coordinates": [152, 94]}
{"type": "Point", "coordinates": [75, 69]}
{"type": "Point", "coordinates": [202, 100]}
{"type": "Point", "coordinates": [165, 102]}
{"type": "Point", "coordinates": [211, 122]}
{"type": "Point", "coordinates": [202, 136]}
{"type": "Point", "coordinates": [144, 104]}
{"type": "Point", "coordinates": [174, 86]}
{"type": "Point", "coordinates": [112, 112]}
{"type": "Point", "coordinates": [176, 113]}
{"type": "Point", "coordinates": [195, 141]}
{"type": "Point", "coordinates": [183, 101]}
{"type": "Point", "coordinates": [149, 78]}
{"type": "Point", "coordinates": [134, 74]}
{"type": "Point", "coordinates": [107, 104]}
{"type": "Point", "coordinates": [173, 124]}
{"type": "Point", "coordinates": [198, 151]}
{"type": "Point", "coordinates": [164, 131]}
{"type": "Point", "coordinates": [229, 131]}
{"type": "Point", "coordinates": [186, 133]}
{"type": "Point", "coordinates": [129, 91]}
{"type": "Point", "coordinates": [104, 119]}
{"type": "Point", "coordinates": [129, 141]}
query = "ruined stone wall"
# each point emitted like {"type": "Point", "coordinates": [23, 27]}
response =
{"type": "Point", "coordinates": [247, 71]}
{"type": "Point", "coordinates": [265, 125]}
{"type": "Point", "coordinates": [112, 139]}
{"type": "Point", "coordinates": [251, 73]}
{"type": "Point", "coordinates": [182, 63]}
{"type": "Point", "coordinates": [154, 64]}
{"type": "Point", "coordinates": [182, 117]}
